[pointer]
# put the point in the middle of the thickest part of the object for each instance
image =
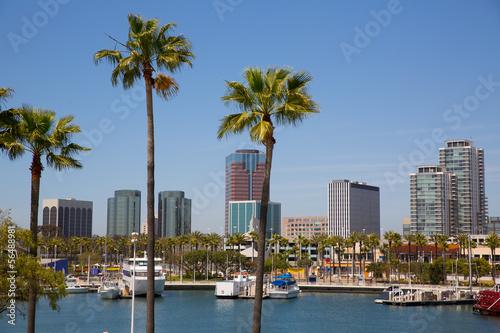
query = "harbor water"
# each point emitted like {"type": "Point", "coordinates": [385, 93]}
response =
{"type": "Point", "coordinates": [201, 311]}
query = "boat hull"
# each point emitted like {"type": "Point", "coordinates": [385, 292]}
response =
{"type": "Point", "coordinates": [231, 289]}
{"type": "Point", "coordinates": [109, 292]}
{"type": "Point", "coordinates": [77, 290]}
{"type": "Point", "coordinates": [284, 294]}
{"type": "Point", "coordinates": [141, 286]}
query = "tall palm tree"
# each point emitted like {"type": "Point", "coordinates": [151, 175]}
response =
{"type": "Point", "coordinates": [420, 241]}
{"type": "Point", "coordinates": [149, 49]}
{"type": "Point", "coordinates": [238, 239]}
{"type": "Point", "coordinates": [410, 238]}
{"type": "Point", "coordinates": [38, 132]}
{"type": "Point", "coordinates": [348, 243]}
{"type": "Point", "coordinates": [373, 243]}
{"type": "Point", "coordinates": [493, 242]}
{"type": "Point", "coordinates": [443, 243]}
{"type": "Point", "coordinates": [462, 241]}
{"type": "Point", "coordinates": [253, 236]}
{"type": "Point", "coordinates": [181, 241]}
{"type": "Point", "coordinates": [277, 96]}
{"type": "Point", "coordinates": [435, 239]}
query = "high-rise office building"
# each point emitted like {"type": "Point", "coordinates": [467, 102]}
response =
{"type": "Point", "coordinates": [243, 213]}
{"type": "Point", "coordinates": [244, 178]}
{"type": "Point", "coordinates": [433, 201]}
{"type": "Point", "coordinates": [174, 214]}
{"type": "Point", "coordinates": [73, 217]}
{"type": "Point", "coordinates": [464, 160]}
{"type": "Point", "coordinates": [353, 206]}
{"type": "Point", "coordinates": [124, 213]}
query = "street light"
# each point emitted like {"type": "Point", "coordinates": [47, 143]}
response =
{"type": "Point", "coordinates": [134, 241]}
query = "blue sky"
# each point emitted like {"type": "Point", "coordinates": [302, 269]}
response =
{"type": "Point", "coordinates": [394, 79]}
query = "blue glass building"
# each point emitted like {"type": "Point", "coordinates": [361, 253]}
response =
{"type": "Point", "coordinates": [242, 212]}
{"type": "Point", "coordinates": [174, 214]}
{"type": "Point", "coordinates": [124, 213]}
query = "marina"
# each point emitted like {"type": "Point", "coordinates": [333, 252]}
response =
{"type": "Point", "coordinates": [200, 311]}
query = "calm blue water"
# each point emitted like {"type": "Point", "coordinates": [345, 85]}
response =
{"type": "Point", "coordinates": [200, 311]}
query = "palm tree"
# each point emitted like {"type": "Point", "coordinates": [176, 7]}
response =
{"type": "Point", "coordinates": [493, 242]}
{"type": "Point", "coordinates": [339, 248]}
{"type": "Point", "coordinates": [149, 44]}
{"type": "Point", "coordinates": [238, 239]}
{"type": "Point", "coordinates": [181, 241]}
{"type": "Point", "coordinates": [373, 242]}
{"type": "Point", "coordinates": [348, 242]}
{"type": "Point", "coordinates": [277, 96]}
{"type": "Point", "coordinates": [253, 236]}
{"type": "Point", "coordinates": [420, 241]}
{"type": "Point", "coordinates": [215, 241]}
{"type": "Point", "coordinates": [435, 239]}
{"type": "Point", "coordinates": [443, 242]}
{"type": "Point", "coordinates": [38, 132]}
{"type": "Point", "coordinates": [410, 238]}
{"type": "Point", "coordinates": [462, 241]}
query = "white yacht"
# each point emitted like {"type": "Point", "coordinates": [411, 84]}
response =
{"type": "Point", "coordinates": [141, 282]}
{"type": "Point", "coordinates": [109, 290]}
{"type": "Point", "coordinates": [73, 288]}
{"type": "Point", "coordinates": [283, 286]}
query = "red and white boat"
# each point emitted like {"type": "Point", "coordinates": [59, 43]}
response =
{"type": "Point", "coordinates": [488, 301]}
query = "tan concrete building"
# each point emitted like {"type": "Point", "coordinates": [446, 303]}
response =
{"type": "Point", "coordinates": [306, 226]}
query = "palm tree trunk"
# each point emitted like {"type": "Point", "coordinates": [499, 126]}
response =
{"type": "Point", "coordinates": [36, 174]}
{"type": "Point", "coordinates": [150, 301]}
{"type": "Point", "coordinates": [259, 285]}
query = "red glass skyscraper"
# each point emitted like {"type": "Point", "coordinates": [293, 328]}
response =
{"type": "Point", "coordinates": [244, 177]}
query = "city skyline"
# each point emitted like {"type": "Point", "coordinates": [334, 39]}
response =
{"type": "Point", "coordinates": [394, 81]}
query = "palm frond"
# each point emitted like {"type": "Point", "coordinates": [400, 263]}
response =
{"type": "Point", "coordinates": [112, 57]}
{"type": "Point", "coordinates": [60, 162]}
{"type": "Point", "coordinates": [166, 87]}
{"type": "Point", "coordinates": [235, 123]}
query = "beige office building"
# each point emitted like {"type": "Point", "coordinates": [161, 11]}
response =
{"type": "Point", "coordinates": [306, 226]}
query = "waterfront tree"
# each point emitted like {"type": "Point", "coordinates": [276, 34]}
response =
{"type": "Point", "coordinates": [276, 96]}
{"type": "Point", "coordinates": [149, 50]}
{"type": "Point", "coordinates": [493, 242]}
{"type": "Point", "coordinates": [38, 132]}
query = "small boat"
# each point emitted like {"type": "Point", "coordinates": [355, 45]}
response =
{"type": "Point", "coordinates": [109, 290]}
{"type": "Point", "coordinates": [283, 286]}
{"type": "Point", "coordinates": [487, 302]}
{"type": "Point", "coordinates": [393, 290]}
{"type": "Point", "coordinates": [73, 288]}
{"type": "Point", "coordinates": [140, 273]}
{"type": "Point", "coordinates": [238, 286]}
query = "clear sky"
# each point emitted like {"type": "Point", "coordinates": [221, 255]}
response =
{"type": "Point", "coordinates": [394, 79]}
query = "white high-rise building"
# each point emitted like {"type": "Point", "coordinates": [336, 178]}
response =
{"type": "Point", "coordinates": [353, 206]}
{"type": "Point", "coordinates": [464, 160]}
{"type": "Point", "coordinates": [433, 201]}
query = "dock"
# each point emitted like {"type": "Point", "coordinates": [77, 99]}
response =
{"type": "Point", "coordinates": [425, 303]}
